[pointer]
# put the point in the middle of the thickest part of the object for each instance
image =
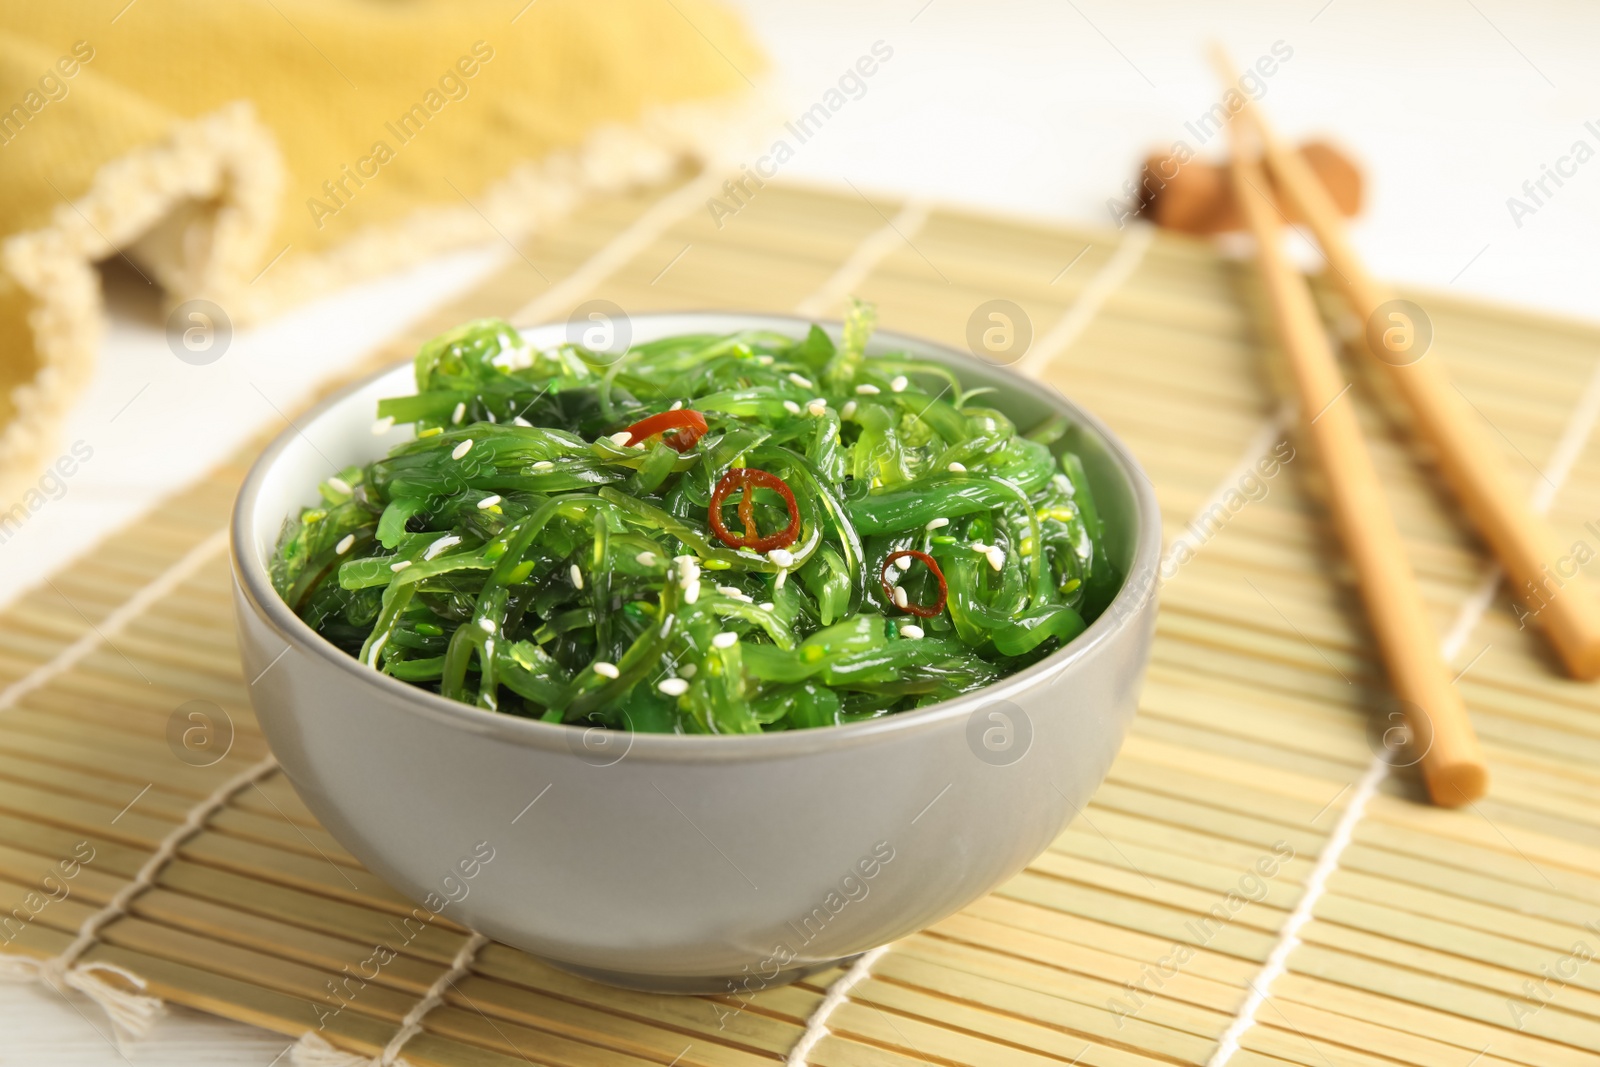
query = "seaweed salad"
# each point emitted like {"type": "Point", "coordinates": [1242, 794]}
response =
{"type": "Point", "coordinates": [710, 534]}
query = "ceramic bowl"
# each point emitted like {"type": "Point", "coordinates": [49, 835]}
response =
{"type": "Point", "coordinates": [679, 863]}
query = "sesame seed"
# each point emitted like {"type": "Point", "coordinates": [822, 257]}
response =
{"type": "Point", "coordinates": [726, 639]}
{"type": "Point", "coordinates": [462, 449]}
{"type": "Point", "coordinates": [900, 598]}
{"type": "Point", "coordinates": [979, 546]}
{"type": "Point", "coordinates": [344, 544]}
{"type": "Point", "coordinates": [849, 410]}
{"type": "Point", "coordinates": [688, 670]}
{"type": "Point", "coordinates": [766, 605]}
{"type": "Point", "coordinates": [646, 559]}
{"type": "Point", "coordinates": [673, 687]}
{"type": "Point", "coordinates": [605, 670]}
{"type": "Point", "coordinates": [691, 592]}
{"type": "Point", "coordinates": [996, 558]}
{"type": "Point", "coordinates": [339, 485]}
{"type": "Point", "coordinates": [868, 390]}
{"type": "Point", "coordinates": [398, 567]}
{"type": "Point", "coordinates": [765, 361]}
{"type": "Point", "coordinates": [621, 437]}
{"type": "Point", "coordinates": [577, 576]}
{"type": "Point", "coordinates": [543, 465]}
{"type": "Point", "coordinates": [934, 524]}
{"type": "Point", "coordinates": [903, 562]}
{"type": "Point", "coordinates": [791, 407]}
{"type": "Point", "coordinates": [728, 590]}
{"type": "Point", "coordinates": [957, 468]}
{"type": "Point", "coordinates": [912, 630]}
{"type": "Point", "coordinates": [489, 415]}
{"type": "Point", "coordinates": [459, 413]}
{"type": "Point", "coordinates": [782, 557]}
{"type": "Point", "coordinates": [801, 380]}
{"type": "Point", "coordinates": [486, 625]}
{"type": "Point", "coordinates": [818, 407]}
{"type": "Point", "coordinates": [488, 502]}
{"type": "Point", "coordinates": [520, 421]}
{"type": "Point", "coordinates": [899, 384]}
{"type": "Point", "coordinates": [383, 425]}
{"type": "Point", "coordinates": [783, 576]}
{"type": "Point", "coordinates": [447, 541]}
{"type": "Point", "coordinates": [677, 405]}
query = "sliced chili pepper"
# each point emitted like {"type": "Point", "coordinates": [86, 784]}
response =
{"type": "Point", "coordinates": [915, 609]}
{"type": "Point", "coordinates": [689, 424]}
{"type": "Point", "coordinates": [748, 478]}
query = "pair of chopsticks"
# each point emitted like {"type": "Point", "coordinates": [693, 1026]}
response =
{"type": "Point", "coordinates": [1453, 765]}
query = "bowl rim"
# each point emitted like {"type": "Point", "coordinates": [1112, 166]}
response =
{"type": "Point", "coordinates": [1126, 608]}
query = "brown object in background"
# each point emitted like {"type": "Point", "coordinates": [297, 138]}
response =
{"type": "Point", "coordinates": [1198, 196]}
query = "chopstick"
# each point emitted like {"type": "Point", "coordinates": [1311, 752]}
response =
{"type": "Point", "coordinates": [1453, 766]}
{"type": "Point", "coordinates": [1523, 542]}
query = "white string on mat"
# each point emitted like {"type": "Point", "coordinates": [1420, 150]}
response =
{"type": "Point", "coordinates": [1130, 252]}
{"type": "Point", "coordinates": [313, 1050]}
{"type": "Point", "coordinates": [1580, 425]}
{"type": "Point", "coordinates": [872, 250]}
{"type": "Point", "coordinates": [131, 1010]}
{"type": "Point", "coordinates": [132, 608]}
{"type": "Point", "coordinates": [837, 994]}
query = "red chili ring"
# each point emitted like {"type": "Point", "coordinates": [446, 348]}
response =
{"type": "Point", "coordinates": [690, 424]}
{"type": "Point", "coordinates": [932, 565]}
{"type": "Point", "coordinates": [747, 478]}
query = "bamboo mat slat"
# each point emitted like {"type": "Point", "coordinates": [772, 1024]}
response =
{"type": "Point", "coordinates": [1144, 934]}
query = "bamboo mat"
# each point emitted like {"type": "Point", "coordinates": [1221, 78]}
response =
{"type": "Point", "coordinates": [1250, 885]}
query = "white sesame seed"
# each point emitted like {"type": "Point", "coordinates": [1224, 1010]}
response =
{"type": "Point", "coordinates": [726, 639]}
{"type": "Point", "coordinates": [398, 567]}
{"type": "Point", "coordinates": [383, 425]}
{"type": "Point", "coordinates": [801, 380]}
{"type": "Point", "coordinates": [489, 415]}
{"type": "Point", "coordinates": [765, 361]}
{"type": "Point", "coordinates": [781, 557]}
{"type": "Point", "coordinates": [900, 598]}
{"type": "Point", "coordinates": [577, 576]}
{"type": "Point", "coordinates": [673, 687]}
{"type": "Point", "coordinates": [783, 576]}
{"type": "Point", "coordinates": [520, 421]}
{"type": "Point", "coordinates": [646, 559]}
{"type": "Point", "coordinates": [978, 546]}
{"type": "Point", "coordinates": [818, 407]}
{"type": "Point", "coordinates": [868, 390]}
{"type": "Point", "coordinates": [458, 414]}
{"type": "Point", "coordinates": [849, 410]}
{"type": "Point", "coordinates": [903, 562]}
{"type": "Point", "coordinates": [899, 384]}
{"type": "Point", "coordinates": [691, 592]}
{"type": "Point", "coordinates": [447, 541]}
{"type": "Point", "coordinates": [486, 625]}
{"type": "Point", "coordinates": [957, 468]}
{"type": "Point", "coordinates": [791, 407]}
{"type": "Point", "coordinates": [543, 465]}
{"type": "Point", "coordinates": [621, 437]}
{"type": "Point", "coordinates": [934, 524]}
{"type": "Point", "coordinates": [339, 485]}
{"type": "Point", "coordinates": [488, 502]}
{"type": "Point", "coordinates": [344, 544]}
{"type": "Point", "coordinates": [462, 449]}
{"type": "Point", "coordinates": [728, 590]}
{"type": "Point", "coordinates": [996, 558]}
{"type": "Point", "coordinates": [912, 630]}
{"type": "Point", "coordinates": [604, 669]}
{"type": "Point", "coordinates": [688, 670]}
{"type": "Point", "coordinates": [767, 605]}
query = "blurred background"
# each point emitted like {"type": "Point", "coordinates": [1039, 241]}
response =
{"type": "Point", "coordinates": [1033, 109]}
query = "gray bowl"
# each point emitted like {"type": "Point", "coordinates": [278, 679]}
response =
{"type": "Point", "coordinates": [689, 864]}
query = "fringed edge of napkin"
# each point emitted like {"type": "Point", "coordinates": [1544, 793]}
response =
{"type": "Point", "coordinates": [194, 213]}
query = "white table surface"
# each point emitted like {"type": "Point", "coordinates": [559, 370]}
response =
{"type": "Point", "coordinates": [1031, 108]}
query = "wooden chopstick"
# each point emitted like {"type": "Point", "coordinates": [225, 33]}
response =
{"type": "Point", "coordinates": [1520, 538]}
{"type": "Point", "coordinates": [1453, 766]}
